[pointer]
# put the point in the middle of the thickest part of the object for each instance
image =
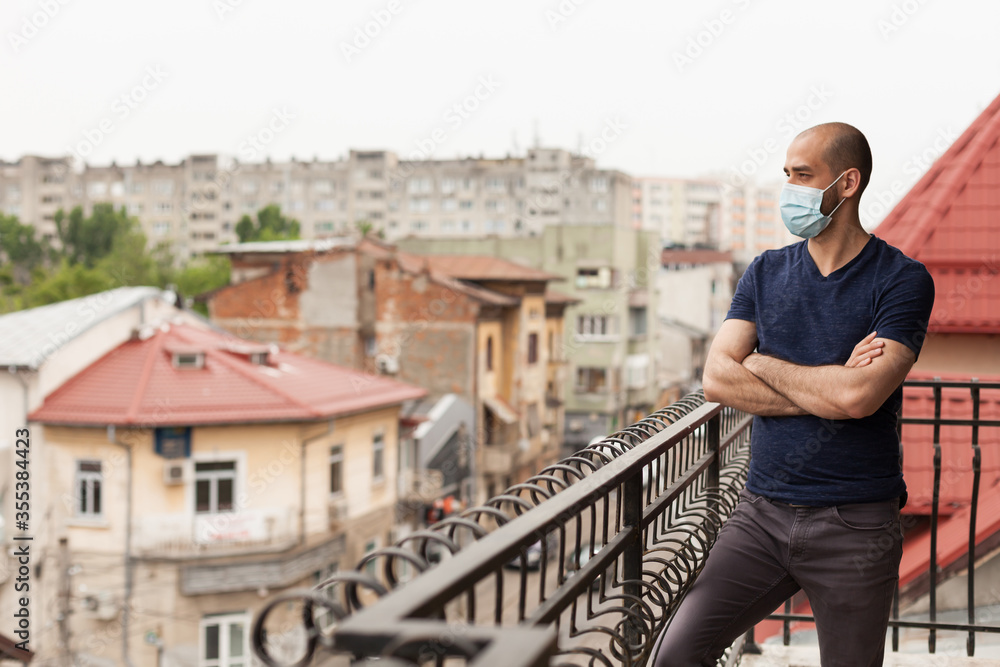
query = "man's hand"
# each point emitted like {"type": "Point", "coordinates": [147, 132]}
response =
{"type": "Point", "coordinates": [865, 351]}
{"type": "Point", "coordinates": [839, 392]}
{"type": "Point", "coordinates": [726, 381]}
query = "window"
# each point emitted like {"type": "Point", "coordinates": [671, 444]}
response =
{"type": "Point", "coordinates": [161, 228]}
{"type": "Point", "coordinates": [323, 186]}
{"type": "Point", "coordinates": [637, 321]}
{"type": "Point", "coordinates": [248, 187]}
{"type": "Point", "coordinates": [493, 226]}
{"type": "Point", "coordinates": [162, 207]}
{"type": "Point", "coordinates": [225, 641]}
{"type": "Point", "coordinates": [591, 380]}
{"type": "Point", "coordinates": [326, 205]}
{"type": "Point", "coordinates": [599, 184]}
{"type": "Point", "coordinates": [418, 226]}
{"type": "Point", "coordinates": [325, 618]}
{"type": "Point", "coordinates": [489, 353]}
{"type": "Point", "coordinates": [497, 205]}
{"type": "Point", "coordinates": [420, 204]}
{"type": "Point", "coordinates": [370, 566]}
{"type": "Point", "coordinates": [532, 348]}
{"type": "Point", "coordinates": [600, 205]}
{"type": "Point", "coordinates": [465, 204]}
{"type": "Point", "coordinates": [416, 185]}
{"type": "Point", "coordinates": [593, 278]}
{"type": "Point", "coordinates": [449, 204]}
{"type": "Point", "coordinates": [89, 502]}
{"type": "Point", "coordinates": [163, 187]}
{"type": "Point", "coordinates": [118, 189]}
{"type": "Point", "coordinates": [596, 326]}
{"type": "Point", "coordinates": [336, 469]}
{"type": "Point", "coordinates": [378, 456]}
{"type": "Point", "coordinates": [214, 486]}
{"type": "Point", "coordinates": [495, 184]}
{"type": "Point", "coordinates": [447, 185]}
{"type": "Point", "coordinates": [97, 189]}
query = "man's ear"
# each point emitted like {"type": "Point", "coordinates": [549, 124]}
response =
{"type": "Point", "coordinates": [852, 181]}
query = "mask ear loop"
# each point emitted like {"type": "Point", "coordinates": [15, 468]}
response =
{"type": "Point", "coordinates": [830, 214]}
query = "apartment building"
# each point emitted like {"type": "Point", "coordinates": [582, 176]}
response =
{"type": "Point", "coordinates": [195, 205]}
{"type": "Point", "coordinates": [610, 342]}
{"type": "Point", "coordinates": [189, 474]}
{"type": "Point", "coordinates": [711, 213]}
{"type": "Point", "coordinates": [479, 328]}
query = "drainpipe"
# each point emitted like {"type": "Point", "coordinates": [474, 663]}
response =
{"type": "Point", "coordinates": [128, 544]}
{"type": "Point", "coordinates": [302, 479]}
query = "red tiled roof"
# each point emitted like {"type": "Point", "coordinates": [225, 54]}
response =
{"type": "Point", "coordinates": [555, 296]}
{"type": "Point", "coordinates": [956, 445]}
{"type": "Point", "coordinates": [483, 267]}
{"type": "Point", "coordinates": [948, 221]}
{"type": "Point", "coordinates": [137, 384]}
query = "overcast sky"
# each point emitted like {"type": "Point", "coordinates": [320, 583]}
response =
{"type": "Point", "coordinates": [677, 89]}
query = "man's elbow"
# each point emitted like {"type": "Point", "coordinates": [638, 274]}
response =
{"type": "Point", "coordinates": [859, 404]}
{"type": "Point", "coordinates": [711, 387]}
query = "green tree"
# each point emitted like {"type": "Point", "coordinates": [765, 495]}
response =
{"type": "Point", "coordinates": [19, 248]}
{"type": "Point", "coordinates": [67, 281]}
{"type": "Point", "coordinates": [88, 240]}
{"type": "Point", "coordinates": [270, 225]}
{"type": "Point", "coordinates": [203, 275]}
{"type": "Point", "coordinates": [366, 227]}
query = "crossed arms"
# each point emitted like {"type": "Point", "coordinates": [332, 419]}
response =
{"type": "Point", "coordinates": [737, 376]}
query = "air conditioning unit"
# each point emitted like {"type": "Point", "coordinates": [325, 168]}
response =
{"type": "Point", "coordinates": [102, 605]}
{"type": "Point", "coordinates": [337, 512]}
{"type": "Point", "coordinates": [174, 473]}
{"type": "Point", "coordinates": [387, 364]}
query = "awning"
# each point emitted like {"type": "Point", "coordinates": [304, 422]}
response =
{"type": "Point", "coordinates": [502, 409]}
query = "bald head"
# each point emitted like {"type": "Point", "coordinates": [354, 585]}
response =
{"type": "Point", "coordinates": [844, 147]}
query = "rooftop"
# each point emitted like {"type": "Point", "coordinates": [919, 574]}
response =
{"type": "Point", "coordinates": [139, 383]}
{"type": "Point", "coordinates": [948, 222]}
{"type": "Point", "coordinates": [28, 337]}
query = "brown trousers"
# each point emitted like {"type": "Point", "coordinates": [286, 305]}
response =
{"type": "Point", "coordinates": [845, 558]}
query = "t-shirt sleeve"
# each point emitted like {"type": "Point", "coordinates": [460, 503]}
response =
{"type": "Point", "coordinates": [744, 304]}
{"type": "Point", "coordinates": [903, 310]}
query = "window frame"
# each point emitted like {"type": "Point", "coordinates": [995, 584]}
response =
{"type": "Point", "coordinates": [213, 477]}
{"type": "Point", "coordinates": [89, 478]}
{"type": "Point", "coordinates": [336, 458]}
{"type": "Point", "coordinates": [378, 456]}
{"type": "Point", "coordinates": [224, 622]}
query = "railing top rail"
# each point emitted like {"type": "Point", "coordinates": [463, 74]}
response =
{"type": "Point", "coordinates": [430, 590]}
{"type": "Point", "coordinates": [953, 384]}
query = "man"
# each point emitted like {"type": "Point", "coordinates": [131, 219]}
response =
{"type": "Point", "coordinates": [817, 343]}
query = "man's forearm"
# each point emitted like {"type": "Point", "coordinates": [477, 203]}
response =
{"type": "Point", "coordinates": [821, 390]}
{"type": "Point", "coordinates": [729, 383]}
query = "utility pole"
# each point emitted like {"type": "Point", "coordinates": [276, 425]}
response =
{"type": "Point", "coordinates": [64, 595]}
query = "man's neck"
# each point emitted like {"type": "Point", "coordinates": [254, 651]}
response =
{"type": "Point", "coordinates": [838, 245]}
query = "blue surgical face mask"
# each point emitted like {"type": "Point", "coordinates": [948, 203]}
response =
{"type": "Point", "coordinates": [800, 209]}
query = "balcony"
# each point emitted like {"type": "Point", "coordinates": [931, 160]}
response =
{"type": "Point", "coordinates": [643, 507]}
{"type": "Point", "coordinates": [182, 536]}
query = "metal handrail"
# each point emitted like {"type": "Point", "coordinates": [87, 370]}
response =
{"type": "Point", "coordinates": [975, 423]}
{"type": "Point", "coordinates": [652, 497]}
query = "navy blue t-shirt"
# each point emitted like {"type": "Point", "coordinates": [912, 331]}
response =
{"type": "Point", "coordinates": [811, 320]}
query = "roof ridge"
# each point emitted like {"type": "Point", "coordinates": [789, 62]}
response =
{"type": "Point", "coordinates": [940, 202]}
{"type": "Point", "coordinates": [232, 364]}
{"type": "Point", "coordinates": [147, 371]}
{"type": "Point", "coordinates": [923, 225]}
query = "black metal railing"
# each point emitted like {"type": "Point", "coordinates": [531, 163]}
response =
{"type": "Point", "coordinates": [583, 563]}
{"type": "Point", "coordinates": [968, 395]}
